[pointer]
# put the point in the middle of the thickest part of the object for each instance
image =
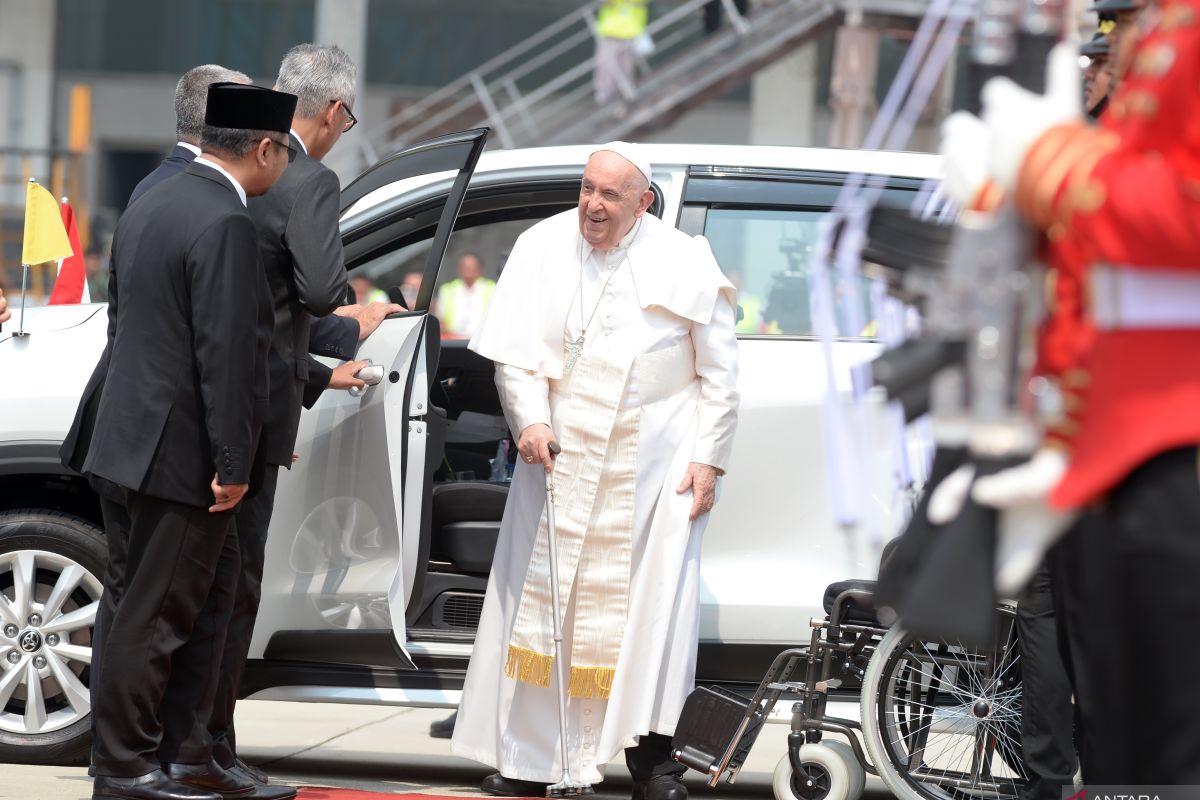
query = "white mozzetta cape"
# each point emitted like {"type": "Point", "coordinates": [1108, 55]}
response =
{"type": "Point", "coordinates": [524, 324]}
{"type": "Point", "coordinates": [670, 290]}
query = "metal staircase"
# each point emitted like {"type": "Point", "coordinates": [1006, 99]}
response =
{"type": "Point", "coordinates": [539, 92]}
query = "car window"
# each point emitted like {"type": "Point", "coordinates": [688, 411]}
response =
{"type": "Point", "coordinates": [766, 253]}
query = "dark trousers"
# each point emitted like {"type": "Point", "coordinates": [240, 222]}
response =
{"type": "Point", "coordinates": [1047, 713]}
{"type": "Point", "coordinates": [116, 533]}
{"type": "Point", "coordinates": [253, 519]}
{"type": "Point", "coordinates": [188, 703]}
{"type": "Point", "coordinates": [171, 555]}
{"type": "Point", "coordinates": [652, 757]}
{"type": "Point", "coordinates": [1130, 568]}
{"type": "Point", "coordinates": [712, 14]}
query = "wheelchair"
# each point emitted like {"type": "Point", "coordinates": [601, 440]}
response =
{"type": "Point", "coordinates": [939, 720]}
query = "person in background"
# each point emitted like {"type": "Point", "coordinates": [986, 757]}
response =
{"type": "Point", "coordinates": [1097, 79]}
{"type": "Point", "coordinates": [462, 301]}
{"type": "Point", "coordinates": [712, 14]}
{"type": "Point", "coordinates": [366, 292]}
{"type": "Point", "coordinates": [5, 314]}
{"type": "Point", "coordinates": [618, 25]}
{"type": "Point", "coordinates": [410, 287]}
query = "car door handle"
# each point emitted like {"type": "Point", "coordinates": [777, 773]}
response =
{"type": "Point", "coordinates": [370, 375]}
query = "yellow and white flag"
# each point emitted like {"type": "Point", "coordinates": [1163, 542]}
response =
{"type": "Point", "coordinates": [45, 235]}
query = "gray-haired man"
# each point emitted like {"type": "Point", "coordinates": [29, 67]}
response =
{"type": "Point", "coordinates": [190, 95]}
{"type": "Point", "coordinates": [298, 236]}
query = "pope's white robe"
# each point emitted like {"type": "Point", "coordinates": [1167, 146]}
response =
{"type": "Point", "coordinates": [668, 290]}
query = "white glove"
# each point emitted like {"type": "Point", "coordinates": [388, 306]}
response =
{"type": "Point", "coordinates": [1016, 117]}
{"type": "Point", "coordinates": [965, 146]}
{"type": "Point", "coordinates": [1028, 526]}
{"type": "Point", "coordinates": [949, 495]}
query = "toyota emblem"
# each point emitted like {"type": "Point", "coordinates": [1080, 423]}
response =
{"type": "Point", "coordinates": [31, 641]}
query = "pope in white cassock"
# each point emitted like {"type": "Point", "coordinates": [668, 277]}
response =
{"type": "Point", "coordinates": [613, 334]}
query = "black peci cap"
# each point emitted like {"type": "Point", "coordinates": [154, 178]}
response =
{"type": "Point", "coordinates": [240, 105]}
{"type": "Point", "coordinates": [1097, 46]}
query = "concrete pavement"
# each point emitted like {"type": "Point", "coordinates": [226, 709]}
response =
{"type": "Point", "coordinates": [381, 749]}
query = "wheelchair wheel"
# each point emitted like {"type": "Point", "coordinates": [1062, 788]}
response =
{"type": "Point", "coordinates": [831, 772]}
{"type": "Point", "coordinates": [942, 720]}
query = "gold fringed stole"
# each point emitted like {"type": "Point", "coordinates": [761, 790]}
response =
{"type": "Point", "coordinates": [593, 683]}
{"type": "Point", "coordinates": [528, 666]}
{"type": "Point", "coordinates": [595, 479]}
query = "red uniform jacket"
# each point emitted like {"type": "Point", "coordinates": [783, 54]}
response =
{"type": "Point", "coordinates": [1127, 195]}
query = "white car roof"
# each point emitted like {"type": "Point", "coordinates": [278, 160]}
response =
{"type": "Point", "coordinates": [667, 157]}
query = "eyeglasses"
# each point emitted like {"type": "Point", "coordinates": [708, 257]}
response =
{"type": "Point", "coordinates": [291, 151]}
{"type": "Point", "coordinates": [351, 120]}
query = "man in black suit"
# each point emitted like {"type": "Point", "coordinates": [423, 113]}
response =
{"type": "Point", "coordinates": [302, 252]}
{"type": "Point", "coordinates": [190, 95]}
{"type": "Point", "coordinates": [178, 429]}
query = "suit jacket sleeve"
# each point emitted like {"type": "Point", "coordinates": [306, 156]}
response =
{"type": "Point", "coordinates": [333, 337]}
{"type": "Point", "coordinates": [318, 381]}
{"type": "Point", "coordinates": [315, 244]}
{"type": "Point", "coordinates": [222, 270]}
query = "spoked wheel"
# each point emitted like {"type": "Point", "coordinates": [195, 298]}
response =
{"type": "Point", "coordinates": [829, 771]}
{"type": "Point", "coordinates": [942, 720]}
{"type": "Point", "coordinates": [51, 566]}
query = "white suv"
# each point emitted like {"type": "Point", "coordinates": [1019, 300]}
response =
{"type": "Point", "coordinates": [381, 542]}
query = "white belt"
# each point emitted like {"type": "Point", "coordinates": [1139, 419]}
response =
{"type": "Point", "coordinates": [1153, 298]}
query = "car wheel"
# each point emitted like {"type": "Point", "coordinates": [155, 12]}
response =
{"type": "Point", "coordinates": [51, 573]}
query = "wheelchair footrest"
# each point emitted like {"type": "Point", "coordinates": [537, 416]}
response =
{"type": "Point", "coordinates": [708, 725]}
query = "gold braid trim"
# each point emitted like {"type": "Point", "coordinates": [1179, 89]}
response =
{"type": "Point", "coordinates": [1040, 156]}
{"type": "Point", "coordinates": [529, 666]}
{"type": "Point", "coordinates": [594, 683]}
{"type": "Point", "coordinates": [1045, 191]}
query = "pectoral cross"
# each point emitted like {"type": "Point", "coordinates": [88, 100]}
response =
{"type": "Point", "coordinates": [574, 351]}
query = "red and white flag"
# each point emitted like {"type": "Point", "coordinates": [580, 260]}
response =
{"type": "Point", "coordinates": [71, 285]}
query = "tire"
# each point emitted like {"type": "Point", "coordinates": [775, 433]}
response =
{"type": "Point", "coordinates": [901, 663]}
{"type": "Point", "coordinates": [832, 768]}
{"type": "Point", "coordinates": [41, 551]}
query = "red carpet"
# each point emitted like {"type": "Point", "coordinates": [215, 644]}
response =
{"type": "Point", "coordinates": [318, 793]}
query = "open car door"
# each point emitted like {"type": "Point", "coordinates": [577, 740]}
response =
{"type": "Point", "coordinates": [345, 535]}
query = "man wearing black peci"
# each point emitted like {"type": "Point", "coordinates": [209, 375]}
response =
{"type": "Point", "coordinates": [178, 424]}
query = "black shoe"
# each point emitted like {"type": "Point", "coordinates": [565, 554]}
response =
{"type": "Point", "coordinates": [443, 728]}
{"type": "Point", "coordinates": [254, 773]}
{"type": "Point", "coordinates": [154, 786]}
{"type": "Point", "coordinates": [210, 776]}
{"type": "Point", "coordinates": [497, 784]}
{"type": "Point", "coordinates": [660, 787]}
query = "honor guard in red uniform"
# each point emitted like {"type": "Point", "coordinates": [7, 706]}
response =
{"type": "Point", "coordinates": [1120, 204]}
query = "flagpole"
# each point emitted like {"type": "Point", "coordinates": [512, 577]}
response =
{"type": "Point", "coordinates": [21, 332]}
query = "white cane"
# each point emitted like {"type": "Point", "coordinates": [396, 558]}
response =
{"type": "Point", "coordinates": [567, 786]}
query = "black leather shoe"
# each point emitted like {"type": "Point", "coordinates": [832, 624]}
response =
{"type": "Point", "coordinates": [211, 776]}
{"type": "Point", "coordinates": [660, 787]}
{"type": "Point", "coordinates": [254, 773]}
{"type": "Point", "coordinates": [443, 728]}
{"type": "Point", "coordinates": [497, 784]}
{"type": "Point", "coordinates": [155, 786]}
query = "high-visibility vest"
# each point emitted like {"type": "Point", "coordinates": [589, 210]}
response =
{"type": "Point", "coordinates": [449, 297]}
{"type": "Point", "coordinates": [622, 19]}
